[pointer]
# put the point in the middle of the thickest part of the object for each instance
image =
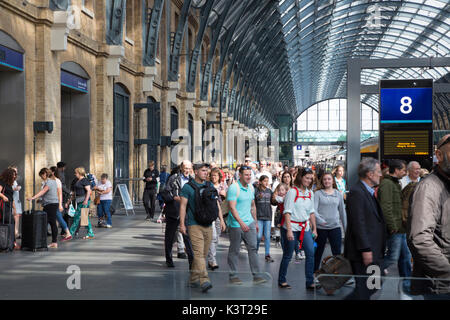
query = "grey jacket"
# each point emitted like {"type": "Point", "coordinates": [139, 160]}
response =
{"type": "Point", "coordinates": [428, 231]}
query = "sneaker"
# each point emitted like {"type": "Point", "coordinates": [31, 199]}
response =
{"type": "Point", "coordinates": [108, 226]}
{"type": "Point", "coordinates": [236, 281]}
{"type": "Point", "coordinates": [269, 259]}
{"type": "Point", "coordinates": [170, 264]}
{"type": "Point", "coordinates": [350, 282]}
{"type": "Point", "coordinates": [195, 284]}
{"type": "Point", "coordinates": [297, 258]}
{"type": "Point", "coordinates": [206, 286]}
{"type": "Point", "coordinates": [182, 255]}
{"type": "Point", "coordinates": [302, 255]}
{"type": "Point", "coordinates": [147, 218]}
{"type": "Point", "coordinates": [259, 280]}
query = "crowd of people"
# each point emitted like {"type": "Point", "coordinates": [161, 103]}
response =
{"type": "Point", "coordinates": [396, 214]}
{"type": "Point", "coordinates": [63, 205]}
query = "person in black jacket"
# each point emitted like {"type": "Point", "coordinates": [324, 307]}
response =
{"type": "Point", "coordinates": [150, 178]}
{"type": "Point", "coordinates": [365, 239]}
{"type": "Point", "coordinates": [171, 197]}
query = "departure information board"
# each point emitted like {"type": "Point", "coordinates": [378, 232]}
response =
{"type": "Point", "coordinates": [406, 120]}
{"type": "Point", "coordinates": [406, 142]}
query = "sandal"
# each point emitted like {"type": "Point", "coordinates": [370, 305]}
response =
{"type": "Point", "coordinates": [67, 238]}
{"type": "Point", "coordinates": [284, 286]}
{"type": "Point", "coordinates": [88, 238]}
{"type": "Point", "coordinates": [53, 245]}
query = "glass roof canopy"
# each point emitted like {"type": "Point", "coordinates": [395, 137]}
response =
{"type": "Point", "coordinates": [286, 55]}
{"type": "Point", "coordinates": [321, 35]}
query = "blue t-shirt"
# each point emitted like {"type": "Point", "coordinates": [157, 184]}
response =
{"type": "Point", "coordinates": [243, 204]}
{"type": "Point", "coordinates": [189, 193]}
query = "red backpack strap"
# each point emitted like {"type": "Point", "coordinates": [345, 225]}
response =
{"type": "Point", "coordinates": [297, 195]}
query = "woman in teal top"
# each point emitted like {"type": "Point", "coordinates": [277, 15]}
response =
{"type": "Point", "coordinates": [340, 181]}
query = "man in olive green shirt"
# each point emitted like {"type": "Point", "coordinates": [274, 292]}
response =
{"type": "Point", "coordinates": [389, 196]}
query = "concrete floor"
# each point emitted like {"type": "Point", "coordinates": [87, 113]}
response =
{"type": "Point", "coordinates": [127, 262]}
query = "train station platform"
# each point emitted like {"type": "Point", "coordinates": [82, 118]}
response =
{"type": "Point", "coordinates": [127, 262]}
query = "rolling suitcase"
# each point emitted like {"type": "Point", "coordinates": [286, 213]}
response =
{"type": "Point", "coordinates": [6, 231]}
{"type": "Point", "coordinates": [334, 265]}
{"type": "Point", "coordinates": [34, 230]}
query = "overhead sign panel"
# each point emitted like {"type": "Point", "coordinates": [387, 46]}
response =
{"type": "Point", "coordinates": [11, 59]}
{"type": "Point", "coordinates": [406, 120]}
{"type": "Point", "coordinates": [407, 105]}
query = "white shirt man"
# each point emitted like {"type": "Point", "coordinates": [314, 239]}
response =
{"type": "Point", "coordinates": [264, 172]}
{"type": "Point", "coordinates": [413, 175]}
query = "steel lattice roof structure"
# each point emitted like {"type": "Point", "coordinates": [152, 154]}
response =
{"type": "Point", "coordinates": [286, 55]}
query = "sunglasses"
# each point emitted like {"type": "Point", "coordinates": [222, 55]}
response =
{"type": "Point", "coordinates": [443, 143]}
{"type": "Point", "coordinates": [306, 171]}
{"type": "Point", "coordinates": [246, 168]}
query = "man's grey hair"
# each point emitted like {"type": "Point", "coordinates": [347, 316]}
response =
{"type": "Point", "coordinates": [185, 163]}
{"type": "Point", "coordinates": [411, 164]}
{"type": "Point", "coordinates": [367, 165]}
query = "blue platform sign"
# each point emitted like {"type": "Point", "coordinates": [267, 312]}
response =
{"type": "Point", "coordinates": [74, 82]}
{"type": "Point", "coordinates": [406, 105]}
{"type": "Point", "coordinates": [11, 59]}
{"type": "Point", "coordinates": [299, 147]}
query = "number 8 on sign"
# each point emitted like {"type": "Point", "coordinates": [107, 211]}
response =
{"type": "Point", "coordinates": [406, 107]}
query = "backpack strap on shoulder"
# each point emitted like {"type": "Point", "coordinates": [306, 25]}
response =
{"type": "Point", "coordinates": [297, 195]}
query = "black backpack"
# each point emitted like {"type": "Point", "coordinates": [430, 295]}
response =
{"type": "Point", "coordinates": [206, 209]}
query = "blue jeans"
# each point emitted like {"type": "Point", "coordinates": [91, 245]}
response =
{"type": "Point", "coordinates": [103, 209]}
{"type": "Point", "coordinates": [288, 249]}
{"type": "Point", "coordinates": [61, 221]}
{"type": "Point", "coordinates": [264, 228]}
{"type": "Point", "coordinates": [398, 253]}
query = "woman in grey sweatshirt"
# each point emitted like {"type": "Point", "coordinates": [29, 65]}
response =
{"type": "Point", "coordinates": [330, 212]}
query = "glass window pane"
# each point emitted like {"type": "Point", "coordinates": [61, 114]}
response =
{"type": "Point", "coordinates": [312, 125]}
{"type": "Point", "coordinates": [312, 113]}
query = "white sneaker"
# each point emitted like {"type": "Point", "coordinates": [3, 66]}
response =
{"type": "Point", "coordinates": [302, 255]}
{"type": "Point", "coordinates": [297, 257]}
{"type": "Point", "coordinates": [108, 226]}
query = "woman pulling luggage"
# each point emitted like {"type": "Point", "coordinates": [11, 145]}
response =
{"type": "Point", "coordinates": [50, 201]}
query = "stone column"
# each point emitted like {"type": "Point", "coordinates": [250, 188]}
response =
{"type": "Point", "coordinates": [116, 53]}
{"type": "Point", "coordinates": [48, 102]}
{"type": "Point", "coordinates": [200, 114]}
{"type": "Point", "coordinates": [228, 144]}
{"type": "Point", "coordinates": [59, 31]}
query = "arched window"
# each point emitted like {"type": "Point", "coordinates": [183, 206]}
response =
{"type": "Point", "coordinates": [191, 134]}
{"type": "Point", "coordinates": [173, 119]}
{"type": "Point", "coordinates": [203, 135]}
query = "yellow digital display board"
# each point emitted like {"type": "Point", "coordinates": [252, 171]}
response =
{"type": "Point", "coordinates": [406, 142]}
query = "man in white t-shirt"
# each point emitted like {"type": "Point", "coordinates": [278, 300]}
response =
{"type": "Point", "coordinates": [104, 189]}
{"type": "Point", "coordinates": [413, 175]}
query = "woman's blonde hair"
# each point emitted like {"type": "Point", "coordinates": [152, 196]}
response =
{"type": "Point", "coordinates": [81, 171]}
{"type": "Point", "coordinates": [281, 185]}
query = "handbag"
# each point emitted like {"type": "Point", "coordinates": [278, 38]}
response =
{"type": "Point", "coordinates": [97, 199]}
{"type": "Point", "coordinates": [71, 211]}
{"type": "Point", "coordinates": [84, 221]}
